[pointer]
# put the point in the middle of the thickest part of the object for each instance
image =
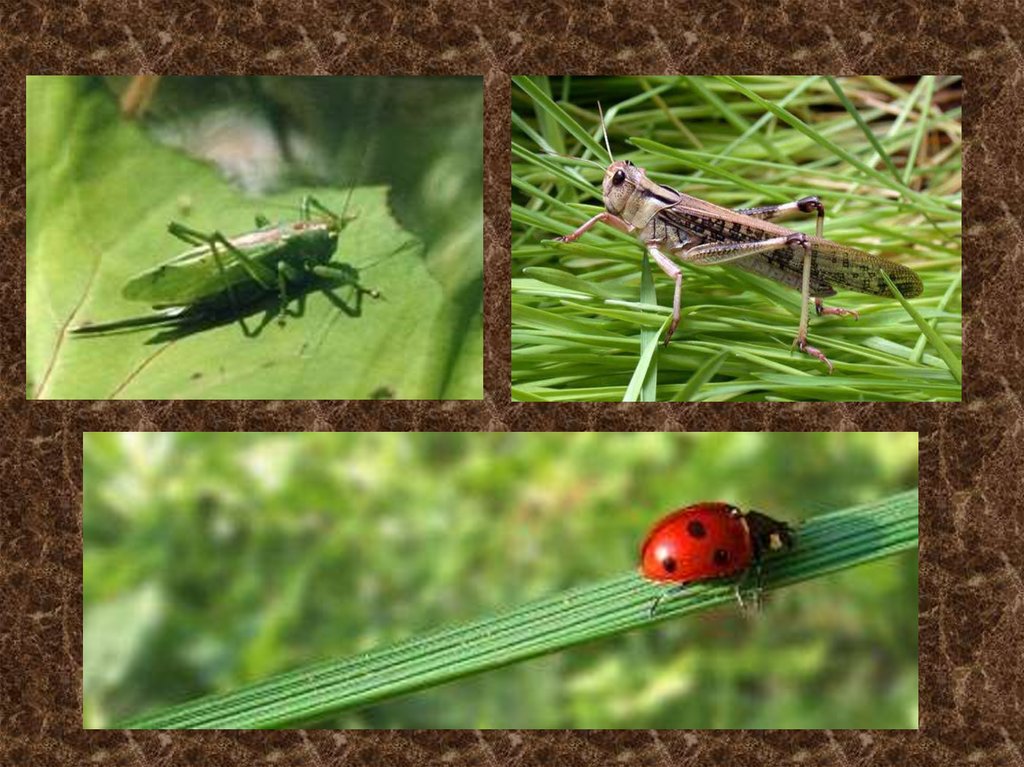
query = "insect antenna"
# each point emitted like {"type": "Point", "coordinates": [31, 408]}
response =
{"type": "Point", "coordinates": [604, 131]}
{"type": "Point", "coordinates": [407, 245]}
{"type": "Point", "coordinates": [344, 210]}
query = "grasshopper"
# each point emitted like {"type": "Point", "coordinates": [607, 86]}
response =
{"type": "Point", "coordinates": [672, 224]}
{"type": "Point", "coordinates": [218, 271]}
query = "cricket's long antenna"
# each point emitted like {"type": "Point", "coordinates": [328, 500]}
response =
{"type": "Point", "coordinates": [348, 199]}
{"type": "Point", "coordinates": [604, 131]}
{"type": "Point", "coordinates": [407, 245]}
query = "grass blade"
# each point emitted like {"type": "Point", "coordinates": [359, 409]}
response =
{"type": "Point", "coordinates": [825, 544]}
{"type": "Point", "coordinates": [941, 347]}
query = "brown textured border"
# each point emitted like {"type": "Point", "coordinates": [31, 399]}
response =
{"type": "Point", "coordinates": [971, 641]}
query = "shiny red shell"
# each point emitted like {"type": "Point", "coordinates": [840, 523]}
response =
{"type": "Point", "coordinates": [699, 542]}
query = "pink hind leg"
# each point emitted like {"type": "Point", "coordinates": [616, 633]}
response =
{"type": "Point", "coordinates": [821, 309]}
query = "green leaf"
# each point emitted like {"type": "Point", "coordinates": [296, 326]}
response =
{"type": "Point", "coordinates": [824, 544]}
{"type": "Point", "coordinates": [100, 196]}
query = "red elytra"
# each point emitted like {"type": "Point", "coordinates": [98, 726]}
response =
{"type": "Point", "coordinates": [708, 541]}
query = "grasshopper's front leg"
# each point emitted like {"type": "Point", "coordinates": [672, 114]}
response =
{"type": "Point", "coordinates": [672, 270]}
{"type": "Point", "coordinates": [604, 216]}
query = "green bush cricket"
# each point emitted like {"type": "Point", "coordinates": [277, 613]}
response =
{"type": "Point", "coordinates": [218, 272]}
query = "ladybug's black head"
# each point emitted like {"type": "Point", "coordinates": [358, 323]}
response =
{"type": "Point", "coordinates": [768, 535]}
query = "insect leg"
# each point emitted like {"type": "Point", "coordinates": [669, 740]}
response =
{"type": "Point", "coordinates": [258, 272]}
{"type": "Point", "coordinates": [789, 209]}
{"type": "Point", "coordinates": [721, 253]}
{"type": "Point", "coordinates": [742, 582]}
{"type": "Point", "coordinates": [672, 270]}
{"type": "Point", "coordinates": [312, 203]}
{"type": "Point", "coordinates": [212, 244]}
{"type": "Point", "coordinates": [286, 273]}
{"type": "Point", "coordinates": [609, 218]}
{"type": "Point", "coordinates": [195, 237]}
{"type": "Point", "coordinates": [188, 234]}
{"type": "Point", "coordinates": [666, 593]}
{"type": "Point", "coordinates": [738, 593]}
{"type": "Point", "coordinates": [724, 252]}
{"type": "Point", "coordinates": [821, 309]}
{"type": "Point", "coordinates": [799, 243]}
{"type": "Point", "coordinates": [347, 276]}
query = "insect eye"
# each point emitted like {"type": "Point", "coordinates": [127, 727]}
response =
{"type": "Point", "coordinates": [618, 178]}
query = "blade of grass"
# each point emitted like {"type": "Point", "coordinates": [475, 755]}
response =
{"type": "Point", "coordinates": [702, 375]}
{"type": "Point", "coordinates": [644, 384]}
{"type": "Point", "coordinates": [733, 118]}
{"type": "Point", "coordinates": [868, 133]}
{"type": "Point", "coordinates": [922, 125]}
{"type": "Point", "coordinates": [547, 105]}
{"type": "Point", "coordinates": [824, 544]}
{"type": "Point", "coordinates": [923, 200]}
{"type": "Point", "coordinates": [940, 346]}
{"type": "Point", "coordinates": [952, 290]}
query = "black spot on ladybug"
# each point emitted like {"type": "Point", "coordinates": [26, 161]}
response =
{"type": "Point", "coordinates": [669, 564]}
{"type": "Point", "coordinates": [721, 557]}
{"type": "Point", "coordinates": [696, 528]}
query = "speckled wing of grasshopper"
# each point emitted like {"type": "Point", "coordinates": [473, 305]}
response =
{"type": "Point", "coordinates": [677, 227]}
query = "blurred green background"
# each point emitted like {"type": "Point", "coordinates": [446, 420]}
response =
{"type": "Point", "coordinates": [213, 560]}
{"type": "Point", "coordinates": [107, 170]}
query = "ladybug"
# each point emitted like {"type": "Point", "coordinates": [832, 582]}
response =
{"type": "Point", "coordinates": [708, 541]}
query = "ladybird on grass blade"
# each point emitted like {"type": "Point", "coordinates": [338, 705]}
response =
{"type": "Point", "coordinates": [709, 541]}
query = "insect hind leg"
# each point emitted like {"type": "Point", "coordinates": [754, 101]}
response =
{"type": "Point", "coordinates": [188, 234]}
{"type": "Point", "coordinates": [799, 243]}
{"type": "Point", "coordinates": [820, 309]}
{"type": "Point", "coordinates": [215, 242]}
{"type": "Point", "coordinates": [804, 205]}
{"type": "Point", "coordinates": [235, 306]}
{"type": "Point", "coordinates": [310, 203]}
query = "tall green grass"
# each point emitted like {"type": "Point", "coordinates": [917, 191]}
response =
{"type": "Point", "coordinates": [884, 157]}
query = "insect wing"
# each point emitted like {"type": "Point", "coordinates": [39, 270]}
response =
{"type": "Point", "coordinates": [782, 266]}
{"type": "Point", "coordinates": [710, 223]}
{"type": "Point", "coordinates": [853, 269]}
{"type": "Point", "coordinates": [194, 275]}
{"type": "Point", "coordinates": [184, 279]}
{"type": "Point", "coordinates": [833, 265]}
